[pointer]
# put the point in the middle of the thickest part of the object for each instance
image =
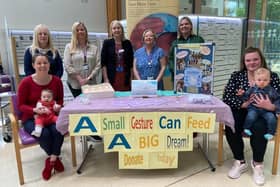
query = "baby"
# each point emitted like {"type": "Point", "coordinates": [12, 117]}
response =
{"type": "Point", "coordinates": [261, 88]}
{"type": "Point", "coordinates": [49, 106]}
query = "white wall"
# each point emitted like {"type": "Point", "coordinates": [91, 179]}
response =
{"type": "Point", "coordinates": [59, 15]}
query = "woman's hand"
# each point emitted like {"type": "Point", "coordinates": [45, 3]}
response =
{"type": "Point", "coordinates": [83, 81]}
{"type": "Point", "coordinates": [263, 102]}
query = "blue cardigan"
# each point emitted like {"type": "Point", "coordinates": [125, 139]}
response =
{"type": "Point", "coordinates": [56, 64]}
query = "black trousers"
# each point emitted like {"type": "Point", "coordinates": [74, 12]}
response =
{"type": "Point", "coordinates": [257, 141]}
{"type": "Point", "coordinates": [75, 92]}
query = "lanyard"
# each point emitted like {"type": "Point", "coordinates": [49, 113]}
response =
{"type": "Point", "coordinates": [150, 59]}
{"type": "Point", "coordinates": [85, 55]}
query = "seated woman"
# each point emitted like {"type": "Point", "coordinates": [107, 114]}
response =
{"type": "Point", "coordinates": [149, 60]}
{"type": "Point", "coordinates": [29, 92]}
{"type": "Point", "coordinates": [244, 79]}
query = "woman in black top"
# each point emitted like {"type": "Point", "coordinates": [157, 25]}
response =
{"type": "Point", "coordinates": [117, 59]}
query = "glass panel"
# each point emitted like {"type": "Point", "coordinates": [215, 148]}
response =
{"type": "Point", "coordinates": [235, 8]}
{"type": "Point", "coordinates": [232, 8]}
{"type": "Point", "coordinates": [185, 6]}
{"type": "Point", "coordinates": [264, 32]}
{"type": "Point", "coordinates": [212, 7]}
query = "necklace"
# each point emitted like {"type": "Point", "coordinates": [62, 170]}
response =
{"type": "Point", "coordinates": [41, 81]}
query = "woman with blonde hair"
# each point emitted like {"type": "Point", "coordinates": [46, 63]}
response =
{"type": "Point", "coordinates": [185, 35]}
{"type": "Point", "coordinates": [149, 60]}
{"type": "Point", "coordinates": [117, 58]}
{"type": "Point", "coordinates": [42, 43]}
{"type": "Point", "coordinates": [81, 59]}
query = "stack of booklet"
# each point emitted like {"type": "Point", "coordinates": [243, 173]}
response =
{"type": "Point", "coordinates": [103, 90]}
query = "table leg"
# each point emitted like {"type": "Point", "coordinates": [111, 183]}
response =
{"type": "Point", "coordinates": [86, 150]}
{"type": "Point", "coordinates": [205, 150]}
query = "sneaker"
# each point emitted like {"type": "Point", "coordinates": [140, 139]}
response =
{"type": "Point", "coordinates": [258, 174]}
{"type": "Point", "coordinates": [237, 169]}
{"type": "Point", "coordinates": [248, 132]}
{"type": "Point", "coordinates": [268, 136]}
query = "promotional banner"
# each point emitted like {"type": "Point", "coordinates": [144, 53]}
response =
{"type": "Point", "coordinates": [194, 68]}
{"type": "Point", "coordinates": [144, 140]}
{"type": "Point", "coordinates": [138, 9]}
{"type": "Point", "coordinates": [148, 160]}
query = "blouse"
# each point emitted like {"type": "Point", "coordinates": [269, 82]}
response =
{"type": "Point", "coordinates": [239, 80]}
{"type": "Point", "coordinates": [148, 66]}
{"type": "Point", "coordinates": [86, 63]}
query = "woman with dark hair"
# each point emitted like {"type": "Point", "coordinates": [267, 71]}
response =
{"type": "Point", "coordinates": [244, 79]}
{"type": "Point", "coordinates": [29, 92]}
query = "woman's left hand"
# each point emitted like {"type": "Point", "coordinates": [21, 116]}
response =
{"type": "Point", "coordinates": [83, 81]}
{"type": "Point", "coordinates": [263, 102]}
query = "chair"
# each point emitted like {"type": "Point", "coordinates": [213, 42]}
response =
{"type": "Point", "coordinates": [276, 140]}
{"type": "Point", "coordinates": [5, 91]}
{"type": "Point", "coordinates": [23, 140]}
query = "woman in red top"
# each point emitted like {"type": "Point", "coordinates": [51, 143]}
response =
{"type": "Point", "coordinates": [29, 93]}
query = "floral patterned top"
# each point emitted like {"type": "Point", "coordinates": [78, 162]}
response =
{"type": "Point", "coordinates": [239, 80]}
{"type": "Point", "coordinates": [148, 66]}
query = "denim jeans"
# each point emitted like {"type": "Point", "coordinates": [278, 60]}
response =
{"type": "Point", "coordinates": [268, 116]}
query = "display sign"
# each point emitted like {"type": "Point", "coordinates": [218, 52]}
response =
{"type": "Point", "coordinates": [144, 140]}
{"type": "Point", "coordinates": [194, 68]}
{"type": "Point", "coordinates": [144, 87]}
{"type": "Point", "coordinates": [138, 9]}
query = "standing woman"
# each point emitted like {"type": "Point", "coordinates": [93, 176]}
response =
{"type": "Point", "coordinates": [185, 35]}
{"type": "Point", "coordinates": [29, 92]}
{"type": "Point", "coordinates": [149, 61]}
{"type": "Point", "coordinates": [42, 43]}
{"type": "Point", "coordinates": [82, 60]}
{"type": "Point", "coordinates": [117, 59]}
{"type": "Point", "coordinates": [244, 79]}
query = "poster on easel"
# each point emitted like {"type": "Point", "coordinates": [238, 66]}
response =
{"type": "Point", "coordinates": [194, 68]}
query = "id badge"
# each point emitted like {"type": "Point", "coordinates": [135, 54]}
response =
{"type": "Point", "coordinates": [85, 67]}
{"type": "Point", "coordinates": [119, 68]}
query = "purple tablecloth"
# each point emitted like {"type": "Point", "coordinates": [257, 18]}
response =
{"type": "Point", "coordinates": [155, 104]}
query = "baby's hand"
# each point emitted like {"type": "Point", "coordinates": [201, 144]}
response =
{"type": "Point", "coordinates": [56, 107]}
{"type": "Point", "coordinates": [46, 110]}
{"type": "Point", "coordinates": [240, 92]}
